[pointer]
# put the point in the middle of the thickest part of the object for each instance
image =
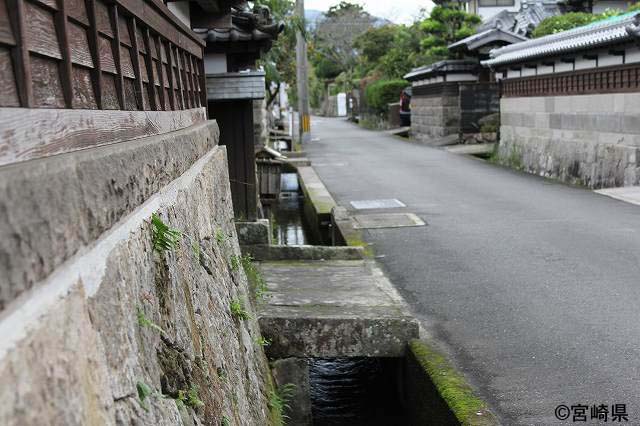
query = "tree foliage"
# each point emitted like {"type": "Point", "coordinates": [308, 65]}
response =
{"type": "Point", "coordinates": [446, 25]}
{"type": "Point", "coordinates": [568, 21]}
{"type": "Point", "coordinates": [335, 36]}
{"type": "Point", "coordinates": [383, 92]}
{"type": "Point", "coordinates": [556, 24]}
{"type": "Point", "coordinates": [280, 62]}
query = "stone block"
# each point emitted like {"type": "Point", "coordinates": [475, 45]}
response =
{"type": "Point", "coordinates": [250, 233]}
{"type": "Point", "coordinates": [295, 371]}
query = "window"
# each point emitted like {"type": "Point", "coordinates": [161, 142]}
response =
{"type": "Point", "coordinates": [496, 3]}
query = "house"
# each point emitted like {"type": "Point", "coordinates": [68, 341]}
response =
{"type": "Point", "coordinates": [451, 97]}
{"type": "Point", "coordinates": [569, 106]}
{"type": "Point", "coordinates": [235, 36]}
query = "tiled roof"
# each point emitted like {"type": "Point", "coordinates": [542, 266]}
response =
{"type": "Point", "coordinates": [601, 33]}
{"type": "Point", "coordinates": [442, 67]}
{"type": "Point", "coordinates": [522, 22]}
{"type": "Point", "coordinates": [485, 37]}
{"type": "Point", "coordinates": [245, 26]}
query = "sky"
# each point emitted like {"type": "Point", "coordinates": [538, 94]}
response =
{"type": "Point", "coordinates": [398, 11]}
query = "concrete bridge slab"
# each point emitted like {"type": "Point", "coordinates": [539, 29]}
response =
{"type": "Point", "coordinates": [345, 308]}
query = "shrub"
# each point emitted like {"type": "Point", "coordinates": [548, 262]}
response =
{"type": "Point", "coordinates": [383, 92]}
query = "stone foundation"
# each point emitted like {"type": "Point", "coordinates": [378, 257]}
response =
{"type": "Point", "coordinates": [590, 140]}
{"type": "Point", "coordinates": [105, 314]}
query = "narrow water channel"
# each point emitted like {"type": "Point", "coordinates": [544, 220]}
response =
{"type": "Point", "coordinates": [287, 214]}
{"type": "Point", "coordinates": [355, 392]}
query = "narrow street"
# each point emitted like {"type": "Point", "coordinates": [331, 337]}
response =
{"type": "Point", "coordinates": [531, 285]}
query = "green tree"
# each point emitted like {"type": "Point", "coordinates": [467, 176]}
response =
{"type": "Point", "coordinates": [335, 36]}
{"type": "Point", "coordinates": [446, 25]}
{"type": "Point", "coordinates": [280, 62]}
{"type": "Point", "coordinates": [555, 24]}
{"type": "Point", "coordinates": [373, 45]}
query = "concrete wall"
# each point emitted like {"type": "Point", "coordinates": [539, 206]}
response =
{"type": "Point", "coordinates": [77, 269]}
{"type": "Point", "coordinates": [593, 140]}
{"type": "Point", "coordinates": [434, 117]}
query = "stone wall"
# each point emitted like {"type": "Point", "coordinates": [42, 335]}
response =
{"type": "Point", "coordinates": [591, 140]}
{"type": "Point", "coordinates": [435, 117]}
{"type": "Point", "coordinates": [91, 313]}
{"type": "Point", "coordinates": [441, 113]}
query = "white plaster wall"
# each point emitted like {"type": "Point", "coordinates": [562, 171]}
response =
{"type": "Point", "coordinates": [582, 64]}
{"type": "Point", "coordinates": [488, 12]}
{"type": "Point", "coordinates": [215, 63]}
{"type": "Point", "coordinates": [564, 66]}
{"type": "Point", "coordinates": [605, 60]}
{"type": "Point", "coordinates": [181, 10]}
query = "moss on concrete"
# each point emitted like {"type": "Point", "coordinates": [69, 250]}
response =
{"type": "Point", "coordinates": [468, 408]}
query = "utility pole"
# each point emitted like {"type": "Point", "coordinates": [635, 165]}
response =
{"type": "Point", "coordinates": [302, 74]}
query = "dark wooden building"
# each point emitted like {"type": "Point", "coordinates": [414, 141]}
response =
{"type": "Point", "coordinates": [236, 37]}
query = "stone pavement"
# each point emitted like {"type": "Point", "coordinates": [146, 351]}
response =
{"type": "Point", "coordinates": [340, 308]}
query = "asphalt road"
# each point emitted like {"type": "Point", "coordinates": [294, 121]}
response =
{"type": "Point", "coordinates": [532, 286]}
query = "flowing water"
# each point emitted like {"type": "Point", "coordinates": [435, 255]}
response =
{"type": "Point", "coordinates": [355, 392]}
{"type": "Point", "coordinates": [287, 214]}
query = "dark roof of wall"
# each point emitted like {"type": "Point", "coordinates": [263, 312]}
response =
{"type": "Point", "coordinates": [522, 22]}
{"type": "Point", "coordinates": [598, 34]}
{"type": "Point", "coordinates": [442, 67]}
{"type": "Point", "coordinates": [246, 25]}
{"type": "Point", "coordinates": [483, 38]}
{"type": "Point", "coordinates": [216, 6]}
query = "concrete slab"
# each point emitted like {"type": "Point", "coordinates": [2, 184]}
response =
{"type": "Point", "coordinates": [386, 220]}
{"type": "Point", "coordinates": [472, 149]}
{"type": "Point", "coordinates": [629, 194]}
{"type": "Point", "coordinates": [299, 162]}
{"type": "Point", "coordinates": [333, 309]}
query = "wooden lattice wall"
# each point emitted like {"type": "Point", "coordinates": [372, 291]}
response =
{"type": "Point", "coordinates": [97, 54]}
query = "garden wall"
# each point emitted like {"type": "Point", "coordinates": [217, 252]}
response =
{"type": "Point", "coordinates": [591, 140]}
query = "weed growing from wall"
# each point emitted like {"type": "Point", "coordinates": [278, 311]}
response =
{"type": "Point", "coordinates": [279, 403]}
{"type": "Point", "coordinates": [189, 398]}
{"type": "Point", "coordinates": [144, 392]}
{"type": "Point", "coordinates": [261, 341]}
{"type": "Point", "coordinates": [164, 238]}
{"type": "Point", "coordinates": [257, 283]}
{"type": "Point", "coordinates": [220, 236]}
{"type": "Point", "coordinates": [145, 322]}
{"type": "Point", "coordinates": [235, 262]}
{"type": "Point", "coordinates": [238, 311]}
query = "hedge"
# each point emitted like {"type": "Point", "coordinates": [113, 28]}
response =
{"type": "Point", "coordinates": [383, 92]}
